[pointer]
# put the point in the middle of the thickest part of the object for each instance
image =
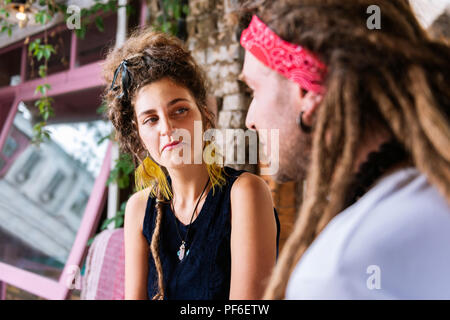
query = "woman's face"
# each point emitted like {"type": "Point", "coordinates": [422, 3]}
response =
{"type": "Point", "coordinates": [166, 113]}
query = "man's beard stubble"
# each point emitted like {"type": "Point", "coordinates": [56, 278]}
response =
{"type": "Point", "coordinates": [295, 158]}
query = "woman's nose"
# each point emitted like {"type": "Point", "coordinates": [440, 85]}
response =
{"type": "Point", "coordinates": [166, 127]}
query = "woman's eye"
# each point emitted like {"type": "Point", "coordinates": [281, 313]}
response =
{"type": "Point", "coordinates": [151, 120]}
{"type": "Point", "coordinates": [181, 110]}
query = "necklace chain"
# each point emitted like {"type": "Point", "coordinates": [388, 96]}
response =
{"type": "Point", "coordinates": [183, 241]}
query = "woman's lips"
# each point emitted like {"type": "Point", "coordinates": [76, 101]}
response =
{"type": "Point", "coordinates": [171, 146]}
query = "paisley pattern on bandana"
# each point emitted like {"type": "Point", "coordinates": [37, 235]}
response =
{"type": "Point", "coordinates": [290, 60]}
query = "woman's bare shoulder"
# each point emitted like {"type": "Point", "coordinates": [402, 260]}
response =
{"type": "Point", "coordinates": [251, 192]}
{"type": "Point", "coordinates": [135, 208]}
{"type": "Point", "coordinates": [249, 183]}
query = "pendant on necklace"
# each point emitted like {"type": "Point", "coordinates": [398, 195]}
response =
{"type": "Point", "coordinates": [181, 252]}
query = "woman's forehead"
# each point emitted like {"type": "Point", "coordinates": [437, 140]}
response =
{"type": "Point", "coordinates": [160, 94]}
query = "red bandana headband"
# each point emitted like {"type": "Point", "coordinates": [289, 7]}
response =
{"type": "Point", "coordinates": [290, 60]}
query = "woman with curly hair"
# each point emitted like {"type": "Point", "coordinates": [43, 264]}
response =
{"type": "Point", "coordinates": [194, 229]}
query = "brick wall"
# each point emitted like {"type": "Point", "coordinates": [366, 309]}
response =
{"type": "Point", "coordinates": [286, 200]}
{"type": "Point", "coordinates": [214, 43]}
{"type": "Point", "coordinates": [440, 28]}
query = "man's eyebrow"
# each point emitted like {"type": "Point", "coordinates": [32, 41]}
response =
{"type": "Point", "coordinates": [170, 103]}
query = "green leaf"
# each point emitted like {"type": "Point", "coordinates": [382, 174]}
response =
{"type": "Point", "coordinates": [38, 102]}
{"type": "Point", "coordinates": [166, 27]}
{"type": "Point", "coordinates": [42, 71]}
{"type": "Point", "coordinates": [47, 53]}
{"type": "Point", "coordinates": [102, 109]}
{"type": "Point", "coordinates": [160, 19]}
{"type": "Point", "coordinates": [37, 17]}
{"type": "Point", "coordinates": [50, 48]}
{"type": "Point", "coordinates": [90, 241]}
{"type": "Point", "coordinates": [112, 5]}
{"type": "Point", "coordinates": [109, 136]}
{"type": "Point", "coordinates": [177, 11]}
{"type": "Point", "coordinates": [99, 24]}
{"type": "Point", "coordinates": [130, 10]}
{"type": "Point", "coordinates": [46, 134]}
{"type": "Point", "coordinates": [42, 17]}
{"type": "Point", "coordinates": [62, 8]}
{"type": "Point", "coordinates": [40, 55]}
{"type": "Point", "coordinates": [51, 9]}
{"type": "Point", "coordinates": [124, 182]}
{"type": "Point", "coordinates": [119, 222]}
{"type": "Point", "coordinates": [96, 7]}
{"type": "Point", "coordinates": [106, 223]}
{"type": "Point", "coordinates": [186, 9]}
{"type": "Point", "coordinates": [36, 127]}
{"type": "Point", "coordinates": [80, 33]}
{"type": "Point", "coordinates": [42, 89]}
{"type": "Point", "coordinates": [34, 45]}
{"type": "Point", "coordinates": [121, 171]}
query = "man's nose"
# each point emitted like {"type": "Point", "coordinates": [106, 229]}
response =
{"type": "Point", "coordinates": [250, 119]}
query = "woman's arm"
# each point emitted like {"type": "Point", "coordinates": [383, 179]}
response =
{"type": "Point", "coordinates": [136, 249]}
{"type": "Point", "coordinates": [253, 237]}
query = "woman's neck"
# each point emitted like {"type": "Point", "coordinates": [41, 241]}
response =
{"type": "Point", "coordinates": [188, 183]}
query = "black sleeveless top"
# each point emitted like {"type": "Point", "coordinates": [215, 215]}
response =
{"type": "Point", "coordinates": [205, 272]}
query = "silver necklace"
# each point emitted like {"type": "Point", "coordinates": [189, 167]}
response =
{"type": "Point", "coordinates": [182, 252]}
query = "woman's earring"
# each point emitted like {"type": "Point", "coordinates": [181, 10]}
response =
{"type": "Point", "coordinates": [147, 174]}
{"type": "Point", "coordinates": [305, 128]}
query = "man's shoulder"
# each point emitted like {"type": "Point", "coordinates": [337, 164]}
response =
{"type": "Point", "coordinates": [405, 237]}
{"type": "Point", "coordinates": [411, 203]}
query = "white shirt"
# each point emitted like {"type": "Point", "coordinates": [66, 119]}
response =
{"type": "Point", "coordinates": [394, 243]}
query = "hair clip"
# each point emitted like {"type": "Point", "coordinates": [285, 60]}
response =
{"type": "Point", "coordinates": [126, 79]}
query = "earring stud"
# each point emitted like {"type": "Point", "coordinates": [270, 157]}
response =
{"type": "Point", "coordinates": [305, 128]}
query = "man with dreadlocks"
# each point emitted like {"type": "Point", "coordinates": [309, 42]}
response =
{"type": "Point", "coordinates": [364, 116]}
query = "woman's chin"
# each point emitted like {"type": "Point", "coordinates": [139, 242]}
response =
{"type": "Point", "coordinates": [175, 162]}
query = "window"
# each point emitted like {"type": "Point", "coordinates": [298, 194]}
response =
{"type": "Point", "coordinates": [80, 203]}
{"type": "Point", "coordinates": [27, 168]}
{"type": "Point", "coordinates": [9, 147]}
{"type": "Point", "coordinates": [55, 182]}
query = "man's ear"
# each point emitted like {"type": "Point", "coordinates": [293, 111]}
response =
{"type": "Point", "coordinates": [309, 102]}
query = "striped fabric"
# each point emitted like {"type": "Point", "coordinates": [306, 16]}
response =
{"type": "Point", "coordinates": [105, 267]}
